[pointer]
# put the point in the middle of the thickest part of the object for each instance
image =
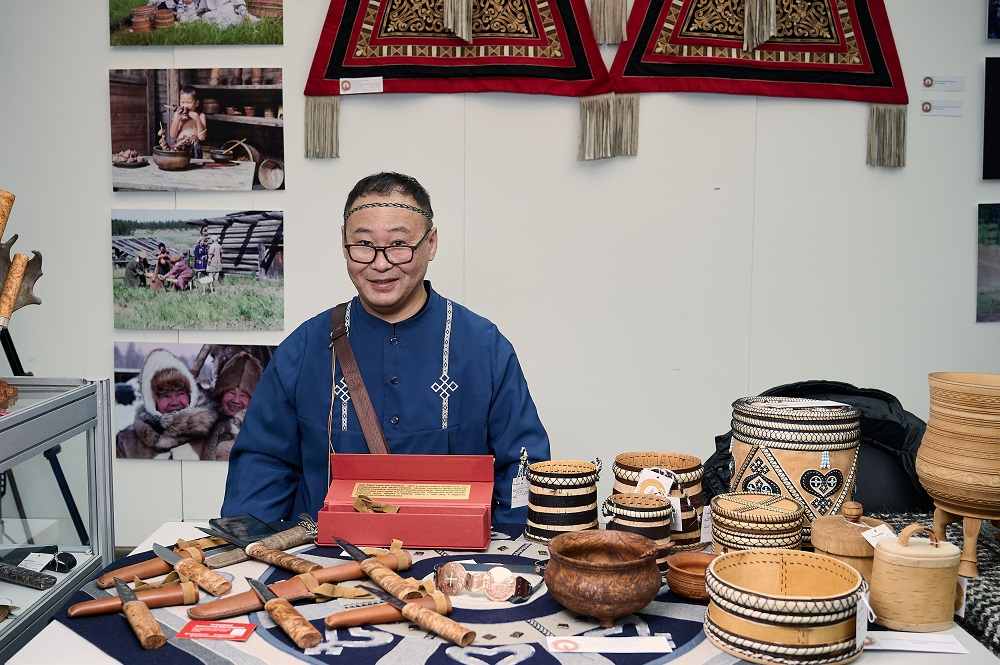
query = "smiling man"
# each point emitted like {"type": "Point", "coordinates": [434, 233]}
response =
{"type": "Point", "coordinates": [442, 380]}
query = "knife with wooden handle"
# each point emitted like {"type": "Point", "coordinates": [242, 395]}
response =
{"type": "Point", "coordinates": [447, 628]}
{"type": "Point", "coordinates": [380, 574]}
{"type": "Point", "coordinates": [269, 554]}
{"type": "Point", "coordinates": [144, 569]}
{"type": "Point", "coordinates": [12, 287]}
{"type": "Point", "coordinates": [139, 616]}
{"type": "Point", "coordinates": [6, 203]}
{"type": "Point", "coordinates": [371, 615]}
{"type": "Point", "coordinates": [209, 580]}
{"type": "Point", "coordinates": [296, 626]}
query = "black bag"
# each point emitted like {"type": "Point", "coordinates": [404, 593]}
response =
{"type": "Point", "coordinates": [890, 435]}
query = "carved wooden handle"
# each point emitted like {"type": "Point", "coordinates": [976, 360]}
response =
{"type": "Point", "coordinates": [209, 580]}
{"type": "Point", "coordinates": [145, 627]}
{"type": "Point", "coordinates": [447, 628]}
{"type": "Point", "coordinates": [282, 559]}
{"type": "Point", "coordinates": [389, 580]}
{"type": "Point", "coordinates": [13, 284]}
{"type": "Point", "coordinates": [6, 203]}
{"type": "Point", "coordinates": [303, 633]}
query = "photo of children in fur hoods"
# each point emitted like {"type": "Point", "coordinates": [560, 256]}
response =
{"type": "Point", "coordinates": [186, 402]}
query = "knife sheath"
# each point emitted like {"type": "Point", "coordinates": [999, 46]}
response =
{"type": "Point", "coordinates": [297, 535]}
{"type": "Point", "coordinates": [291, 589]}
{"type": "Point", "coordinates": [385, 613]}
{"type": "Point", "coordinates": [185, 593]}
{"type": "Point", "coordinates": [143, 570]}
{"type": "Point", "coordinates": [25, 577]}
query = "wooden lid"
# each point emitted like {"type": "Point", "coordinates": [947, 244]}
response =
{"type": "Point", "coordinates": [841, 534]}
{"type": "Point", "coordinates": [918, 552]}
{"type": "Point", "coordinates": [757, 508]}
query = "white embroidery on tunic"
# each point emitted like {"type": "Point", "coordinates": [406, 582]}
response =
{"type": "Point", "coordinates": [342, 391]}
{"type": "Point", "coordinates": [445, 385]}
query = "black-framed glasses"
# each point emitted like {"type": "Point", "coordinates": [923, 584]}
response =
{"type": "Point", "coordinates": [394, 254]}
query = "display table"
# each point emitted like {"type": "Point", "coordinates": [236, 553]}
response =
{"type": "Point", "coordinates": [200, 174]}
{"type": "Point", "coordinates": [506, 633]}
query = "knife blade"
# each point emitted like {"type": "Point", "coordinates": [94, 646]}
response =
{"type": "Point", "coordinates": [447, 628]}
{"type": "Point", "coordinates": [380, 573]}
{"type": "Point", "coordinates": [296, 626]}
{"type": "Point", "coordinates": [209, 580]}
{"type": "Point", "coordinates": [264, 553]}
{"type": "Point", "coordinates": [139, 616]}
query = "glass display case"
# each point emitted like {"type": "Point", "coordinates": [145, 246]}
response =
{"type": "Point", "coordinates": [55, 496]}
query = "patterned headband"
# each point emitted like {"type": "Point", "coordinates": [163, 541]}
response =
{"type": "Point", "coordinates": [386, 204]}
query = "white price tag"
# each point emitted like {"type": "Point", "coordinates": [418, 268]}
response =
{"type": "Point", "coordinates": [706, 525]}
{"type": "Point", "coordinates": [675, 515]}
{"type": "Point", "coordinates": [878, 533]}
{"type": "Point", "coordinates": [963, 586]}
{"type": "Point", "coordinates": [36, 561]}
{"type": "Point", "coordinates": [652, 482]}
{"type": "Point", "coordinates": [861, 619]}
{"type": "Point", "coordinates": [519, 492]}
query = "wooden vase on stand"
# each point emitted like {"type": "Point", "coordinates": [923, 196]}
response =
{"type": "Point", "coordinates": [256, 77]}
{"type": "Point", "coordinates": [213, 78]}
{"type": "Point", "coordinates": [958, 461]}
{"type": "Point", "coordinates": [237, 78]}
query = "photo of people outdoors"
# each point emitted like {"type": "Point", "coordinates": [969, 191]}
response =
{"type": "Point", "coordinates": [198, 269]}
{"type": "Point", "coordinates": [183, 22]}
{"type": "Point", "coordinates": [183, 401]}
{"type": "Point", "coordinates": [210, 129]}
{"type": "Point", "coordinates": [988, 273]}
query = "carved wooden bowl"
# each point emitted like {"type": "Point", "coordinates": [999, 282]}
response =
{"type": "Point", "coordinates": [686, 573]}
{"type": "Point", "coordinates": [171, 160]}
{"type": "Point", "coordinates": [603, 574]}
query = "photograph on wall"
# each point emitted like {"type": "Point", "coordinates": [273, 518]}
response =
{"type": "Point", "coordinates": [183, 401]}
{"type": "Point", "coordinates": [988, 273]}
{"type": "Point", "coordinates": [991, 121]}
{"type": "Point", "coordinates": [198, 269]}
{"type": "Point", "coordinates": [197, 129]}
{"type": "Point", "coordinates": [195, 22]}
{"type": "Point", "coordinates": [993, 19]}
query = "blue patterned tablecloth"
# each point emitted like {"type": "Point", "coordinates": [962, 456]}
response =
{"type": "Point", "coordinates": [506, 634]}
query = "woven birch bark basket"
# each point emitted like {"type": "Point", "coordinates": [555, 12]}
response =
{"type": "Point", "coordinates": [562, 497]}
{"type": "Point", "coordinates": [800, 448]}
{"type": "Point", "coordinates": [783, 606]}
{"type": "Point", "coordinates": [644, 514]}
{"type": "Point", "coordinates": [686, 471]}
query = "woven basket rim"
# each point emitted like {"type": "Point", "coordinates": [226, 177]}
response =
{"type": "Point", "coordinates": [692, 463]}
{"type": "Point", "coordinates": [742, 516]}
{"type": "Point", "coordinates": [758, 405]}
{"type": "Point", "coordinates": [563, 466]}
{"type": "Point", "coordinates": [767, 557]}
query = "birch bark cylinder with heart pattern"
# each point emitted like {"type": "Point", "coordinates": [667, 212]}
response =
{"type": "Point", "coordinates": [804, 449]}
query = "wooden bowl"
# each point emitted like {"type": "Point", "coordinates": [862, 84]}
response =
{"type": "Point", "coordinates": [171, 160]}
{"type": "Point", "coordinates": [222, 156]}
{"type": "Point", "coordinates": [686, 573]}
{"type": "Point", "coordinates": [603, 574]}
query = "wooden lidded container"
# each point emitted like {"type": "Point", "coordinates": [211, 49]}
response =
{"type": "Point", "coordinates": [840, 536]}
{"type": "Point", "coordinates": [914, 582]}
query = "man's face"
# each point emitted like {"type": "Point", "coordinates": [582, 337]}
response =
{"type": "Point", "coordinates": [172, 401]}
{"type": "Point", "coordinates": [390, 292]}
{"type": "Point", "coordinates": [235, 400]}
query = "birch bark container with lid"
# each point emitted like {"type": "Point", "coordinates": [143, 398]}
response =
{"type": "Point", "coordinates": [914, 582]}
{"type": "Point", "coordinates": [840, 536]}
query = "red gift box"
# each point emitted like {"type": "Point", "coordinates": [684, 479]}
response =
{"type": "Point", "coordinates": [444, 501]}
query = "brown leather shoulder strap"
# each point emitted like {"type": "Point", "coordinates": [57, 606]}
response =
{"type": "Point", "coordinates": [355, 385]}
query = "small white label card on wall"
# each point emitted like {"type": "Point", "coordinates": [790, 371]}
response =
{"type": "Point", "coordinates": [951, 108]}
{"type": "Point", "coordinates": [944, 83]}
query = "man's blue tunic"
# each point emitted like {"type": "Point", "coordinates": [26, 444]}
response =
{"type": "Point", "coordinates": [442, 382]}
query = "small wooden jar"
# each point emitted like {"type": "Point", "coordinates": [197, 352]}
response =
{"type": "Point", "coordinates": [840, 536]}
{"type": "Point", "coordinates": [914, 582]}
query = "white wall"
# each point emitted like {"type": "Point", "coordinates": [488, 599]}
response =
{"type": "Point", "coordinates": [747, 245]}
